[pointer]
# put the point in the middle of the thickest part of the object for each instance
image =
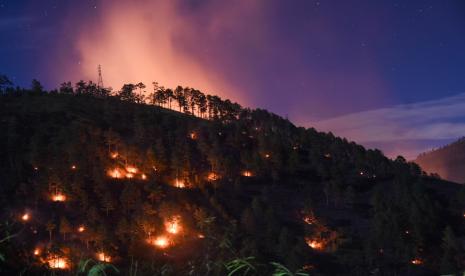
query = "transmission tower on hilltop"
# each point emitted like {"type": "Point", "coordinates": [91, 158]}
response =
{"type": "Point", "coordinates": [100, 79]}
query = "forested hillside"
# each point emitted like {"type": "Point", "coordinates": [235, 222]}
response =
{"type": "Point", "coordinates": [448, 162]}
{"type": "Point", "coordinates": [123, 183]}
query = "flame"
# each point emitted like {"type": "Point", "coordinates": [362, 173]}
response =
{"type": "Point", "coordinates": [193, 135]}
{"type": "Point", "coordinates": [201, 236]}
{"type": "Point", "coordinates": [416, 261]}
{"type": "Point", "coordinates": [143, 176]}
{"type": "Point", "coordinates": [131, 169]}
{"type": "Point", "coordinates": [161, 242]}
{"type": "Point", "coordinates": [309, 220]}
{"type": "Point", "coordinates": [81, 229]}
{"type": "Point", "coordinates": [113, 155]}
{"type": "Point", "coordinates": [267, 155]}
{"type": "Point", "coordinates": [59, 197]}
{"type": "Point", "coordinates": [212, 176]}
{"type": "Point", "coordinates": [115, 173]}
{"type": "Point", "coordinates": [173, 225]}
{"type": "Point", "coordinates": [25, 217]}
{"type": "Point", "coordinates": [179, 184]}
{"type": "Point", "coordinates": [101, 256]}
{"type": "Point", "coordinates": [36, 252]}
{"type": "Point", "coordinates": [58, 262]}
{"type": "Point", "coordinates": [129, 175]}
{"type": "Point", "coordinates": [73, 167]}
{"type": "Point", "coordinates": [247, 173]}
{"type": "Point", "coordinates": [315, 244]}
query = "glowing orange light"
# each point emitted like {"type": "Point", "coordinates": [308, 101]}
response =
{"type": "Point", "coordinates": [129, 175]}
{"type": "Point", "coordinates": [58, 263]}
{"type": "Point", "coordinates": [131, 169]}
{"type": "Point", "coordinates": [315, 244]}
{"type": "Point", "coordinates": [267, 155]}
{"type": "Point", "coordinates": [73, 167]}
{"type": "Point", "coordinates": [101, 256]}
{"type": "Point", "coordinates": [36, 252]}
{"type": "Point", "coordinates": [59, 197]}
{"type": "Point", "coordinates": [81, 229]}
{"type": "Point", "coordinates": [416, 261]}
{"type": "Point", "coordinates": [193, 135]}
{"type": "Point", "coordinates": [309, 219]}
{"type": "Point", "coordinates": [161, 242]}
{"type": "Point", "coordinates": [173, 225]}
{"type": "Point", "coordinates": [212, 176]}
{"type": "Point", "coordinates": [115, 173]}
{"type": "Point", "coordinates": [179, 184]}
{"type": "Point", "coordinates": [114, 155]}
{"type": "Point", "coordinates": [25, 217]}
{"type": "Point", "coordinates": [143, 176]}
{"type": "Point", "coordinates": [200, 236]}
{"type": "Point", "coordinates": [247, 173]}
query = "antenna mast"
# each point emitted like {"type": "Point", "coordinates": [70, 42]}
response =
{"type": "Point", "coordinates": [100, 79]}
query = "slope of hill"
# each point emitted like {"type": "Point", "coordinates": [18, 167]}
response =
{"type": "Point", "coordinates": [448, 161]}
{"type": "Point", "coordinates": [157, 192]}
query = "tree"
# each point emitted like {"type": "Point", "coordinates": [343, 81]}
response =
{"type": "Point", "coordinates": [4, 82]}
{"type": "Point", "coordinates": [65, 227]}
{"type": "Point", "coordinates": [50, 226]}
{"type": "Point", "coordinates": [179, 97]}
{"type": "Point", "coordinates": [140, 97]}
{"type": "Point", "coordinates": [66, 88]}
{"type": "Point", "coordinates": [108, 203]}
{"type": "Point", "coordinates": [36, 87]}
{"type": "Point", "coordinates": [127, 93]}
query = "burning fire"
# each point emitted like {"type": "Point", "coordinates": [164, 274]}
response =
{"type": "Point", "coordinates": [267, 155]}
{"type": "Point", "coordinates": [25, 217]}
{"type": "Point", "coordinates": [73, 167]}
{"type": "Point", "coordinates": [247, 173]}
{"type": "Point", "coordinates": [113, 155]}
{"type": "Point", "coordinates": [58, 262]}
{"type": "Point", "coordinates": [173, 225]}
{"type": "Point", "coordinates": [143, 176]}
{"type": "Point", "coordinates": [161, 242]}
{"type": "Point", "coordinates": [115, 173]}
{"type": "Point", "coordinates": [201, 236]}
{"type": "Point", "coordinates": [36, 252]}
{"type": "Point", "coordinates": [81, 229]}
{"type": "Point", "coordinates": [315, 244]}
{"type": "Point", "coordinates": [179, 184]}
{"type": "Point", "coordinates": [101, 256]}
{"type": "Point", "coordinates": [58, 197]}
{"type": "Point", "coordinates": [129, 175]}
{"type": "Point", "coordinates": [416, 261]}
{"type": "Point", "coordinates": [193, 135]}
{"type": "Point", "coordinates": [212, 176]}
{"type": "Point", "coordinates": [131, 169]}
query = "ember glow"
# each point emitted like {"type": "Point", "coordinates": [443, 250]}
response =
{"type": "Point", "coordinates": [36, 252]}
{"type": "Point", "coordinates": [114, 155]}
{"type": "Point", "coordinates": [417, 261]}
{"type": "Point", "coordinates": [315, 244]}
{"type": "Point", "coordinates": [129, 175]}
{"type": "Point", "coordinates": [193, 135]}
{"type": "Point", "coordinates": [25, 217]}
{"type": "Point", "coordinates": [73, 167]}
{"type": "Point", "coordinates": [161, 242]}
{"type": "Point", "coordinates": [101, 256]}
{"type": "Point", "coordinates": [56, 262]}
{"type": "Point", "coordinates": [247, 173]}
{"type": "Point", "coordinates": [115, 173]}
{"type": "Point", "coordinates": [132, 170]}
{"type": "Point", "coordinates": [179, 184]}
{"type": "Point", "coordinates": [81, 229]}
{"type": "Point", "coordinates": [212, 176]}
{"type": "Point", "coordinates": [143, 176]}
{"type": "Point", "coordinates": [58, 197]}
{"type": "Point", "coordinates": [173, 225]}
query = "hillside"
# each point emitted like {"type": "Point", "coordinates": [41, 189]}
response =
{"type": "Point", "coordinates": [154, 191]}
{"type": "Point", "coordinates": [448, 161]}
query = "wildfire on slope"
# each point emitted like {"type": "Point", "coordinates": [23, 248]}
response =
{"type": "Point", "coordinates": [58, 197]}
{"type": "Point", "coordinates": [247, 173]}
{"type": "Point", "coordinates": [212, 176]}
{"type": "Point", "coordinates": [179, 183]}
{"type": "Point", "coordinates": [315, 243]}
{"type": "Point", "coordinates": [161, 241]}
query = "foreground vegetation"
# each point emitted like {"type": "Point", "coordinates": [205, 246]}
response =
{"type": "Point", "coordinates": [127, 181]}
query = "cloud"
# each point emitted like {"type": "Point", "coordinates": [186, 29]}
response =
{"type": "Point", "coordinates": [409, 125]}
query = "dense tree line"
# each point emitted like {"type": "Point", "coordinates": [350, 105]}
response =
{"type": "Point", "coordinates": [310, 202]}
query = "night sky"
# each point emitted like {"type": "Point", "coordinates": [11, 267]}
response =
{"type": "Point", "coordinates": [387, 74]}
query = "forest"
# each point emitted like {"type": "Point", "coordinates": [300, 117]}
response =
{"type": "Point", "coordinates": [160, 181]}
